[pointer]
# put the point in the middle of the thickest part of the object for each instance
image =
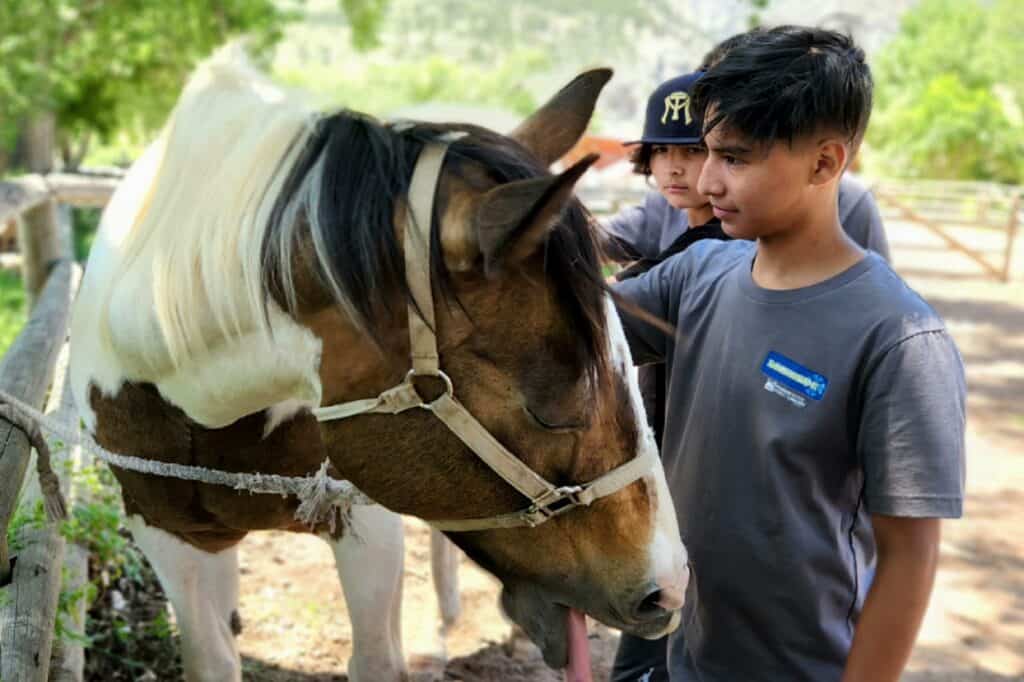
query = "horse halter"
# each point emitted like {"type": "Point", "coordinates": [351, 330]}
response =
{"type": "Point", "coordinates": [547, 500]}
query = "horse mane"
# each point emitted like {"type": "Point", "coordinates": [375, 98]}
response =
{"type": "Point", "coordinates": [222, 159]}
{"type": "Point", "coordinates": [248, 174]}
{"type": "Point", "coordinates": [348, 216]}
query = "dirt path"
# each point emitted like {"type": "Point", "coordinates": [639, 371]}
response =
{"type": "Point", "coordinates": [975, 626]}
{"type": "Point", "coordinates": [296, 627]}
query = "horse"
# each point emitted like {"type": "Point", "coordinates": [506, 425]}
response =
{"type": "Point", "coordinates": [256, 267]}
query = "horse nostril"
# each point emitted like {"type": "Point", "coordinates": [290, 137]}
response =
{"type": "Point", "coordinates": [658, 602]}
{"type": "Point", "coordinates": [650, 606]}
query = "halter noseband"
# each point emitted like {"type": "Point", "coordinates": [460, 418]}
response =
{"type": "Point", "coordinates": [547, 500]}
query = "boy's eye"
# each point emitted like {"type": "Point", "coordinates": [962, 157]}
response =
{"type": "Point", "coordinates": [731, 160]}
{"type": "Point", "coordinates": [659, 149]}
{"type": "Point", "coordinates": [696, 151]}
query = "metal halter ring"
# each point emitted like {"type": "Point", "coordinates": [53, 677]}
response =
{"type": "Point", "coordinates": [449, 389]}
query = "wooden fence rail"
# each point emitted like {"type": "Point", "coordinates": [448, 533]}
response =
{"type": "Point", "coordinates": [942, 206]}
{"type": "Point", "coordinates": [31, 584]}
{"type": "Point", "coordinates": [32, 201]}
{"type": "Point", "coordinates": [30, 191]}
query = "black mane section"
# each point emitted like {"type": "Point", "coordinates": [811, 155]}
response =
{"type": "Point", "coordinates": [367, 166]}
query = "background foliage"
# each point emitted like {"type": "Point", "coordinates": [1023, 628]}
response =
{"type": "Point", "coordinates": [108, 65]}
{"type": "Point", "coordinates": [949, 93]}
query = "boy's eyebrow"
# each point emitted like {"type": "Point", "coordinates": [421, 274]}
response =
{"type": "Point", "coordinates": [729, 149]}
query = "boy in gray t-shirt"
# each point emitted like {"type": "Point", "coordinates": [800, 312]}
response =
{"type": "Point", "coordinates": [815, 424]}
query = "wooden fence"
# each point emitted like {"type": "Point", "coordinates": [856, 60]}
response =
{"type": "Point", "coordinates": [956, 211]}
{"type": "Point", "coordinates": [34, 369]}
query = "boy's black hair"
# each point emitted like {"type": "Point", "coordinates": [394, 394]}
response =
{"type": "Point", "coordinates": [787, 83]}
{"type": "Point", "coordinates": [718, 52]}
{"type": "Point", "coordinates": [640, 157]}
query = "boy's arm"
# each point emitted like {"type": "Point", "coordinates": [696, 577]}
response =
{"type": "Point", "coordinates": [911, 442]}
{"type": "Point", "coordinates": [908, 552]}
{"type": "Point", "coordinates": [650, 293]}
{"type": "Point", "coordinates": [622, 235]}
{"type": "Point", "coordinates": [636, 232]}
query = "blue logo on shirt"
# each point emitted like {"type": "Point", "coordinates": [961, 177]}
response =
{"type": "Point", "coordinates": [795, 376]}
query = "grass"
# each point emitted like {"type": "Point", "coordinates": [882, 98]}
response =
{"type": "Point", "coordinates": [12, 308]}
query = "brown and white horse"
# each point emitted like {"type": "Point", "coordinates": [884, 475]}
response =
{"type": "Point", "coordinates": [249, 269]}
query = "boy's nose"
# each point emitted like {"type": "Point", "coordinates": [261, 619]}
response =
{"type": "Point", "coordinates": [707, 182]}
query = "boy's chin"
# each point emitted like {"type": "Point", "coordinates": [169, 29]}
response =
{"type": "Point", "coordinates": [737, 231]}
{"type": "Point", "coordinates": [682, 203]}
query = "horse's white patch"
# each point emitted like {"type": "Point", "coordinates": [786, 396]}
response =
{"type": "Point", "coordinates": [203, 589]}
{"type": "Point", "coordinates": [669, 561]}
{"type": "Point", "coordinates": [369, 561]}
{"type": "Point", "coordinates": [284, 411]}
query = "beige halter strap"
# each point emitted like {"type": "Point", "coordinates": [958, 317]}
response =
{"type": "Point", "coordinates": [546, 499]}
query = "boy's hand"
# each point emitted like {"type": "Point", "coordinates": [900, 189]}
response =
{"type": "Point", "coordinates": [908, 553]}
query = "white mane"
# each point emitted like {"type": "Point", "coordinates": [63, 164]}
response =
{"type": "Point", "coordinates": [173, 292]}
{"type": "Point", "coordinates": [223, 156]}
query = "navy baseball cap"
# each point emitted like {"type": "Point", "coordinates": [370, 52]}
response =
{"type": "Point", "coordinates": [670, 118]}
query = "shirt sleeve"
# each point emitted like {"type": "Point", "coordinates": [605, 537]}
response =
{"type": "Point", "coordinates": [622, 236]}
{"type": "Point", "coordinates": [911, 438]}
{"type": "Point", "coordinates": [651, 293]}
{"type": "Point", "coordinates": [859, 215]}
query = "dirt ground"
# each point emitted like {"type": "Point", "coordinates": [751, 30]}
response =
{"type": "Point", "coordinates": [296, 627]}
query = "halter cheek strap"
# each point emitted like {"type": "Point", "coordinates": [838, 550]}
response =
{"type": "Point", "coordinates": [546, 500]}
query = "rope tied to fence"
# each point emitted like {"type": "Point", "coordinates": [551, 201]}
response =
{"type": "Point", "coordinates": [322, 499]}
{"type": "Point", "coordinates": [49, 484]}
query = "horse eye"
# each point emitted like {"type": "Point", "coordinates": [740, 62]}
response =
{"type": "Point", "coordinates": [569, 427]}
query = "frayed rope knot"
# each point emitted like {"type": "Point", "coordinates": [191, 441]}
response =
{"type": "Point", "coordinates": [319, 502]}
{"type": "Point", "coordinates": [323, 499]}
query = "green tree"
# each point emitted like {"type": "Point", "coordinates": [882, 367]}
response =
{"type": "Point", "coordinates": [949, 95]}
{"type": "Point", "coordinates": [101, 66]}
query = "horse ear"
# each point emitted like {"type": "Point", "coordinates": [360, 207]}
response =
{"type": "Point", "coordinates": [513, 220]}
{"type": "Point", "coordinates": [552, 130]}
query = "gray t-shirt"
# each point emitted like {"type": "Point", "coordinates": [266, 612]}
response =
{"type": "Point", "coordinates": [792, 416]}
{"type": "Point", "coordinates": [646, 230]}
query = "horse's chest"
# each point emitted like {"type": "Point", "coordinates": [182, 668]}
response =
{"type": "Point", "coordinates": [137, 421]}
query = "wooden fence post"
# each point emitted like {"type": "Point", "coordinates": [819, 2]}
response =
{"type": "Point", "coordinates": [1011, 233]}
{"type": "Point", "coordinates": [28, 616]}
{"type": "Point", "coordinates": [67, 663]}
{"type": "Point", "coordinates": [26, 372]}
{"type": "Point", "coordinates": [41, 233]}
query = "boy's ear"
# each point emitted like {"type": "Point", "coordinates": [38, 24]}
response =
{"type": "Point", "coordinates": [830, 161]}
